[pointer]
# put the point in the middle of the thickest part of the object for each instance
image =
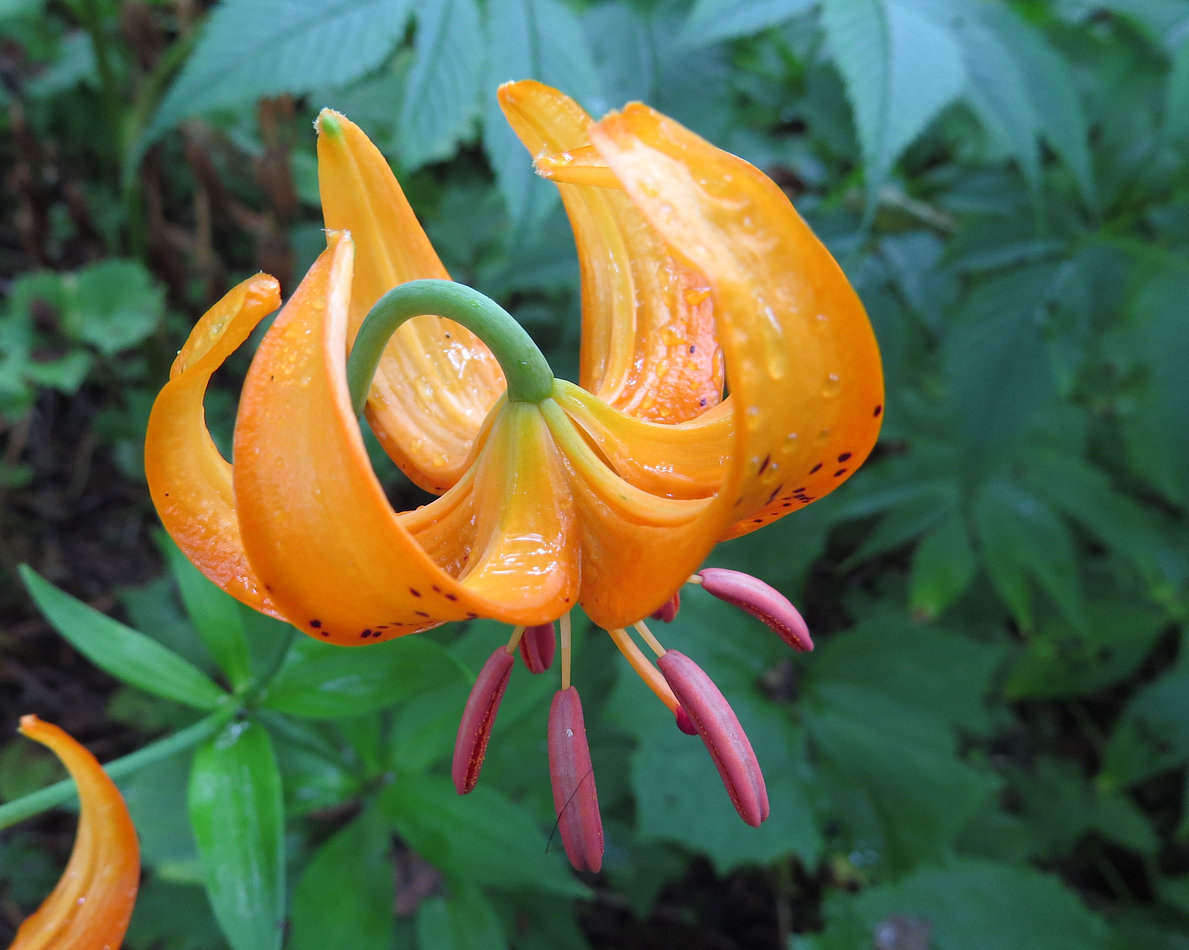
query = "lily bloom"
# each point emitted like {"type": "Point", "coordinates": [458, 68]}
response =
{"type": "Point", "coordinates": [698, 278]}
{"type": "Point", "coordinates": [90, 907]}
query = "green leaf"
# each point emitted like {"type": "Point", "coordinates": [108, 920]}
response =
{"type": "Point", "coordinates": [254, 48]}
{"type": "Point", "coordinates": [121, 651]}
{"type": "Point", "coordinates": [1024, 543]}
{"type": "Point", "coordinates": [112, 305]}
{"type": "Point", "coordinates": [441, 96]}
{"type": "Point", "coordinates": [1152, 735]}
{"type": "Point", "coordinates": [238, 822]}
{"type": "Point", "coordinates": [328, 682]}
{"type": "Point", "coordinates": [481, 838]}
{"type": "Point", "coordinates": [901, 64]}
{"type": "Point", "coordinates": [1176, 110]}
{"type": "Point", "coordinates": [347, 882]}
{"type": "Point", "coordinates": [974, 905]}
{"type": "Point", "coordinates": [1062, 661]}
{"type": "Point", "coordinates": [999, 94]}
{"type": "Point", "coordinates": [943, 567]}
{"type": "Point", "coordinates": [464, 921]}
{"type": "Point", "coordinates": [531, 39]}
{"type": "Point", "coordinates": [215, 615]}
{"type": "Point", "coordinates": [712, 21]}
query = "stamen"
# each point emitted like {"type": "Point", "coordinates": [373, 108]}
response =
{"type": "Point", "coordinates": [761, 600]}
{"type": "Point", "coordinates": [653, 643]}
{"type": "Point", "coordinates": [574, 794]}
{"type": "Point", "coordinates": [538, 646]}
{"type": "Point", "coordinates": [576, 166]}
{"type": "Point", "coordinates": [564, 623]}
{"type": "Point", "coordinates": [667, 612]}
{"type": "Point", "coordinates": [644, 669]}
{"type": "Point", "coordinates": [478, 716]}
{"type": "Point", "coordinates": [724, 738]}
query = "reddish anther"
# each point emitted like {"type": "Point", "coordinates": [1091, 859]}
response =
{"type": "Point", "coordinates": [574, 793]}
{"type": "Point", "coordinates": [720, 731]}
{"type": "Point", "coordinates": [684, 723]}
{"type": "Point", "coordinates": [761, 600]}
{"type": "Point", "coordinates": [477, 718]}
{"type": "Point", "coordinates": [537, 646]}
{"type": "Point", "coordinates": [667, 612]}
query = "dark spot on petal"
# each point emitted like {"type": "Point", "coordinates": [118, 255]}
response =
{"type": "Point", "coordinates": [366, 633]}
{"type": "Point", "coordinates": [815, 468]}
{"type": "Point", "coordinates": [772, 497]}
{"type": "Point", "coordinates": [414, 591]}
{"type": "Point", "coordinates": [471, 615]}
{"type": "Point", "coordinates": [844, 456]}
{"type": "Point", "coordinates": [702, 402]}
{"type": "Point", "coordinates": [878, 410]}
{"type": "Point", "coordinates": [764, 464]}
{"type": "Point", "coordinates": [452, 597]}
{"type": "Point", "coordinates": [840, 472]}
{"type": "Point", "coordinates": [692, 348]}
{"type": "Point", "coordinates": [437, 589]}
{"type": "Point", "coordinates": [268, 587]}
{"type": "Point", "coordinates": [797, 491]}
{"type": "Point", "coordinates": [786, 504]}
{"type": "Point", "coordinates": [316, 624]}
{"type": "Point", "coordinates": [420, 613]}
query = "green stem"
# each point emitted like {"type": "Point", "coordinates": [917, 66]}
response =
{"type": "Point", "coordinates": [61, 792]}
{"type": "Point", "coordinates": [529, 377]}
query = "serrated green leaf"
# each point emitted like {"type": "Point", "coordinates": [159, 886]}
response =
{"type": "Point", "coordinates": [347, 881]}
{"type": "Point", "coordinates": [943, 567]}
{"type": "Point", "coordinates": [441, 95]}
{"type": "Point", "coordinates": [238, 820]}
{"type": "Point", "coordinates": [972, 904]}
{"type": "Point", "coordinates": [121, 651]}
{"type": "Point", "coordinates": [215, 615]}
{"type": "Point", "coordinates": [481, 838]}
{"type": "Point", "coordinates": [254, 48]}
{"type": "Point", "coordinates": [531, 39]}
{"type": "Point", "coordinates": [901, 64]}
{"type": "Point", "coordinates": [712, 21]}
{"type": "Point", "coordinates": [464, 921]}
{"type": "Point", "coordinates": [328, 682]}
{"type": "Point", "coordinates": [998, 93]}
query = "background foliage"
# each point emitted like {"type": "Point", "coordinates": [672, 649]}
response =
{"type": "Point", "coordinates": [988, 747]}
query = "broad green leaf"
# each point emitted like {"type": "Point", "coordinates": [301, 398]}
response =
{"type": "Point", "coordinates": [238, 822]}
{"type": "Point", "coordinates": [1024, 543]}
{"type": "Point", "coordinates": [481, 838]}
{"type": "Point", "coordinates": [254, 48]}
{"type": "Point", "coordinates": [464, 921]}
{"type": "Point", "coordinates": [901, 65]}
{"type": "Point", "coordinates": [1176, 110]}
{"type": "Point", "coordinates": [327, 682]}
{"type": "Point", "coordinates": [112, 305]}
{"type": "Point", "coordinates": [347, 882]}
{"type": "Point", "coordinates": [531, 39]}
{"type": "Point", "coordinates": [1062, 661]}
{"type": "Point", "coordinates": [999, 94]}
{"type": "Point", "coordinates": [215, 615]}
{"type": "Point", "coordinates": [943, 567]}
{"type": "Point", "coordinates": [971, 904]}
{"type": "Point", "coordinates": [712, 21]}
{"type": "Point", "coordinates": [441, 95]}
{"type": "Point", "coordinates": [999, 377]}
{"type": "Point", "coordinates": [123, 652]}
{"type": "Point", "coordinates": [1152, 735]}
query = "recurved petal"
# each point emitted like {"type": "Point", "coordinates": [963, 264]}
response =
{"type": "Point", "coordinates": [92, 902]}
{"type": "Point", "coordinates": [802, 363]}
{"type": "Point", "coordinates": [436, 381]}
{"type": "Point", "coordinates": [189, 480]}
{"type": "Point", "coordinates": [317, 526]}
{"type": "Point", "coordinates": [648, 340]}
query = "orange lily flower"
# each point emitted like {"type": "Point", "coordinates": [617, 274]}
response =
{"type": "Point", "coordinates": [697, 274]}
{"type": "Point", "coordinates": [90, 907]}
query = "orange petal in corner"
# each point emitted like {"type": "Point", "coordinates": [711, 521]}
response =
{"type": "Point", "coordinates": [91, 906]}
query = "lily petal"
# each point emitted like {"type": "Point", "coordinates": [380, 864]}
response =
{"type": "Point", "coordinates": [90, 907]}
{"type": "Point", "coordinates": [803, 367]}
{"type": "Point", "coordinates": [437, 380]}
{"type": "Point", "coordinates": [189, 479]}
{"type": "Point", "coordinates": [340, 560]}
{"type": "Point", "coordinates": [648, 340]}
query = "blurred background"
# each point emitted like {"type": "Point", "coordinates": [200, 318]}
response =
{"type": "Point", "coordinates": [988, 747]}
